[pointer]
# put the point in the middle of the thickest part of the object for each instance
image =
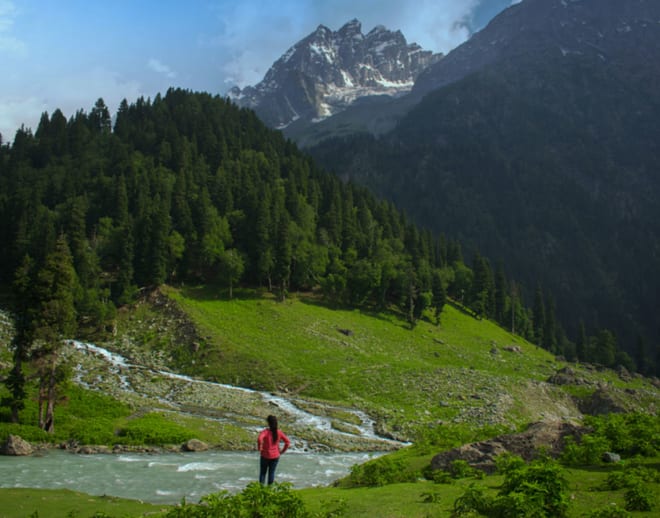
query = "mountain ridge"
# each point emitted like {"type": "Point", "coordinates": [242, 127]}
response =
{"type": "Point", "coordinates": [328, 70]}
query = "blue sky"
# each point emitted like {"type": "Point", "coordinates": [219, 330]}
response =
{"type": "Point", "coordinates": [67, 53]}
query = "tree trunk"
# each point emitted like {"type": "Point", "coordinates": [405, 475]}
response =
{"type": "Point", "coordinates": [47, 393]}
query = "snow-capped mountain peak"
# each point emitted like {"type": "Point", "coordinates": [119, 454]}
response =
{"type": "Point", "coordinates": [327, 71]}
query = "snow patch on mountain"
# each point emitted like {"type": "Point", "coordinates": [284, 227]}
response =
{"type": "Point", "coordinates": [327, 71]}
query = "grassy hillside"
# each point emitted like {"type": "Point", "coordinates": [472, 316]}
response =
{"type": "Point", "coordinates": [463, 373]}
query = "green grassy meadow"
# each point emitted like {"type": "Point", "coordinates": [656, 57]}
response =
{"type": "Point", "coordinates": [431, 374]}
{"type": "Point", "coordinates": [437, 385]}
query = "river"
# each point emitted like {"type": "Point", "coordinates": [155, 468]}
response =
{"type": "Point", "coordinates": [166, 478]}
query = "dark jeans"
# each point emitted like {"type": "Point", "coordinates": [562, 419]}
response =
{"type": "Point", "coordinates": [267, 466]}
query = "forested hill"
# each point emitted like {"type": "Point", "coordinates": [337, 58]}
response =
{"type": "Point", "coordinates": [189, 188]}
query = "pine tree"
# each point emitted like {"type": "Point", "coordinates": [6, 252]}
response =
{"type": "Point", "coordinates": [231, 267]}
{"type": "Point", "coordinates": [605, 348]}
{"type": "Point", "coordinates": [282, 258]}
{"type": "Point", "coordinates": [55, 321]}
{"type": "Point", "coordinates": [439, 295]}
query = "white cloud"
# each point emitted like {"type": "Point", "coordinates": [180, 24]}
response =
{"type": "Point", "coordinates": [160, 68]}
{"type": "Point", "coordinates": [15, 111]}
{"type": "Point", "coordinates": [21, 105]}
{"type": "Point", "coordinates": [252, 35]}
{"type": "Point", "coordinates": [9, 44]}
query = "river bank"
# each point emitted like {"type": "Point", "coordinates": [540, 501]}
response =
{"type": "Point", "coordinates": [313, 426]}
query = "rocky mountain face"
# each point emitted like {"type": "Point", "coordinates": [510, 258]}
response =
{"type": "Point", "coordinates": [327, 71]}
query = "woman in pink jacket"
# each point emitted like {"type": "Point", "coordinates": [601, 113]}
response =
{"type": "Point", "coordinates": [268, 444]}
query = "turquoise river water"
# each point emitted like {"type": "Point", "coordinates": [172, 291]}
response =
{"type": "Point", "coordinates": [169, 477]}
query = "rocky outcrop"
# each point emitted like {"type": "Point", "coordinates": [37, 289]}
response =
{"type": "Point", "coordinates": [16, 445]}
{"type": "Point", "coordinates": [603, 401]}
{"type": "Point", "coordinates": [194, 445]}
{"type": "Point", "coordinates": [548, 437]}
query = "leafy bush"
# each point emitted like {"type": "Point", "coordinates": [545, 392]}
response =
{"type": "Point", "coordinates": [97, 431]}
{"type": "Point", "coordinates": [154, 429]}
{"type": "Point", "coordinates": [587, 453]}
{"type": "Point", "coordinates": [626, 434]}
{"type": "Point", "coordinates": [87, 404]}
{"type": "Point", "coordinates": [380, 472]}
{"type": "Point", "coordinates": [639, 497]}
{"type": "Point", "coordinates": [438, 476]}
{"type": "Point", "coordinates": [27, 432]}
{"type": "Point", "coordinates": [255, 501]}
{"type": "Point", "coordinates": [530, 490]}
{"type": "Point", "coordinates": [630, 476]}
{"type": "Point", "coordinates": [473, 501]}
{"type": "Point", "coordinates": [508, 462]}
{"type": "Point", "coordinates": [461, 469]}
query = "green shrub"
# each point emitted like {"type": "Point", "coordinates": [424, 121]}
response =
{"type": "Point", "coordinates": [87, 404]}
{"type": "Point", "coordinates": [97, 431]}
{"type": "Point", "coordinates": [380, 472]}
{"type": "Point", "coordinates": [154, 429]}
{"type": "Point", "coordinates": [587, 453]}
{"type": "Point", "coordinates": [255, 501]}
{"type": "Point", "coordinates": [27, 432]}
{"type": "Point", "coordinates": [639, 497]}
{"type": "Point", "coordinates": [630, 476]}
{"type": "Point", "coordinates": [530, 490]}
{"type": "Point", "coordinates": [461, 469]}
{"type": "Point", "coordinates": [508, 462]}
{"type": "Point", "coordinates": [628, 434]}
{"type": "Point", "coordinates": [473, 502]}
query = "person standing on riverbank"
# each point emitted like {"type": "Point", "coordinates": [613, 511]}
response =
{"type": "Point", "coordinates": [268, 444]}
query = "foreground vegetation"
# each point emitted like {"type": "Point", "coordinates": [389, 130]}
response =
{"type": "Point", "coordinates": [598, 491]}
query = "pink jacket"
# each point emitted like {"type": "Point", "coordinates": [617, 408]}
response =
{"type": "Point", "coordinates": [271, 449]}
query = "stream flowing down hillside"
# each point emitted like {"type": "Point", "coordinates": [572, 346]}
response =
{"type": "Point", "coordinates": [312, 425]}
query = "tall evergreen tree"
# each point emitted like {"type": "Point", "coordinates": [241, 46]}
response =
{"type": "Point", "coordinates": [55, 321]}
{"type": "Point", "coordinates": [439, 295]}
{"type": "Point", "coordinates": [282, 258]}
{"type": "Point", "coordinates": [605, 348]}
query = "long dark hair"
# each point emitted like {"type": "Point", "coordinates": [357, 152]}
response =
{"type": "Point", "coordinates": [272, 424]}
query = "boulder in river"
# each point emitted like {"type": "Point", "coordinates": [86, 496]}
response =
{"type": "Point", "coordinates": [194, 445]}
{"type": "Point", "coordinates": [16, 445]}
